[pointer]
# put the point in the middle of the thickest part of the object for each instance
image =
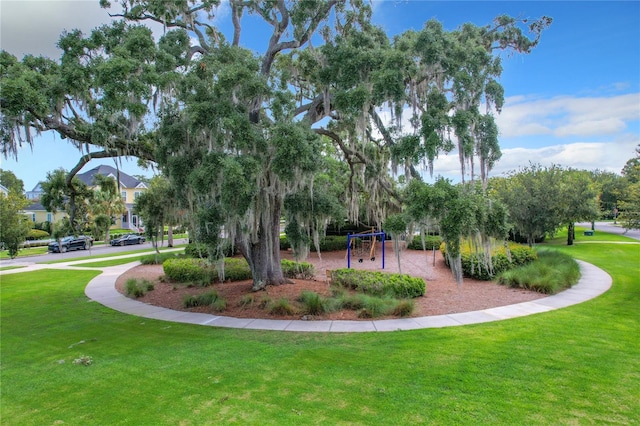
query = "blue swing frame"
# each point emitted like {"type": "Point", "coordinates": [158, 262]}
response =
{"type": "Point", "coordinates": [372, 234]}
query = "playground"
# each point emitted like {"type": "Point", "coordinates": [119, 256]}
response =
{"type": "Point", "coordinates": [443, 296]}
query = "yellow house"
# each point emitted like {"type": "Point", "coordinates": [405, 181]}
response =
{"type": "Point", "coordinates": [130, 189]}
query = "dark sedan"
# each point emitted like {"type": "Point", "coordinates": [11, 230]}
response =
{"type": "Point", "coordinates": [126, 240]}
{"type": "Point", "coordinates": [70, 243]}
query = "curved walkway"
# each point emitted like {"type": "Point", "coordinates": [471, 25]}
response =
{"type": "Point", "coordinates": [594, 282]}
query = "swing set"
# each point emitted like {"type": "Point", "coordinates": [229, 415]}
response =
{"type": "Point", "coordinates": [364, 241]}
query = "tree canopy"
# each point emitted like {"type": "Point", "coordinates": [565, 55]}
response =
{"type": "Point", "coordinates": [239, 132]}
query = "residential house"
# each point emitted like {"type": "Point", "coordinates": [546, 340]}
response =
{"type": "Point", "coordinates": [35, 193]}
{"type": "Point", "coordinates": [4, 190]}
{"type": "Point", "coordinates": [130, 188]}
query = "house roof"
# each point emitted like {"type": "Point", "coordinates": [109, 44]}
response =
{"type": "Point", "coordinates": [126, 181]}
{"type": "Point", "coordinates": [35, 207]}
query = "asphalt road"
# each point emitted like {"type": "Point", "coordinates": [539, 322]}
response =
{"type": "Point", "coordinates": [613, 229]}
{"type": "Point", "coordinates": [96, 250]}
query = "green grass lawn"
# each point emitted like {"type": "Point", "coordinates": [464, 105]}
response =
{"type": "Point", "coordinates": [577, 365]}
{"type": "Point", "coordinates": [24, 252]}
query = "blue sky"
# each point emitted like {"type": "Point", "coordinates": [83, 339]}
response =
{"type": "Point", "coordinates": [574, 101]}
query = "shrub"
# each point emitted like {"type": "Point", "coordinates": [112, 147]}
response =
{"type": "Point", "coordinates": [158, 258]}
{"type": "Point", "coordinates": [551, 273]}
{"type": "Point", "coordinates": [236, 269]}
{"type": "Point", "coordinates": [379, 283]}
{"type": "Point", "coordinates": [199, 250]}
{"type": "Point", "coordinates": [137, 288]}
{"type": "Point", "coordinates": [431, 242]}
{"type": "Point", "coordinates": [37, 234]}
{"type": "Point", "coordinates": [301, 270]}
{"type": "Point", "coordinates": [328, 243]}
{"type": "Point", "coordinates": [501, 260]}
{"type": "Point", "coordinates": [186, 270]}
{"type": "Point", "coordinates": [281, 307]}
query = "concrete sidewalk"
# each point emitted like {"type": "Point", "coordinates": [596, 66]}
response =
{"type": "Point", "coordinates": [594, 282]}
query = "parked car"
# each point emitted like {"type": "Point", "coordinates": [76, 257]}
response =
{"type": "Point", "coordinates": [70, 243]}
{"type": "Point", "coordinates": [128, 239]}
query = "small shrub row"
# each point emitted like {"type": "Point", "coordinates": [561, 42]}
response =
{"type": "Point", "coordinates": [37, 234]}
{"type": "Point", "coordinates": [551, 273]}
{"type": "Point", "coordinates": [199, 250]}
{"type": "Point", "coordinates": [328, 243]}
{"type": "Point", "coordinates": [431, 242]}
{"type": "Point", "coordinates": [137, 288]}
{"type": "Point", "coordinates": [379, 283]}
{"type": "Point", "coordinates": [158, 258]}
{"type": "Point", "coordinates": [211, 299]}
{"type": "Point", "coordinates": [198, 271]}
{"type": "Point", "coordinates": [473, 265]}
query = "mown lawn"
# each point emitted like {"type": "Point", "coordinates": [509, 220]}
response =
{"type": "Point", "coordinates": [578, 365]}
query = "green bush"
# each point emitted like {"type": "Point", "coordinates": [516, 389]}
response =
{"type": "Point", "coordinates": [199, 250]}
{"type": "Point", "coordinates": [501, 260]}
{"type": "Point", "coordinates": [328, 243]}
{"type": "Point", "coordinates": [551, 273]}
{"type": "Point", "coordinates": [431, 242]}
{"type": "Point", "coordinates": [379, 283]}
{"type": "Point", "coordinates": [236, 269]}
{"type": "Point", "coordinates": [186, 270]}
{"type": "Point", "coordinates": [300, 270]}
{"type": "Point", "coordinates": [37, 234]}
{"type": "Point", "coordinates": [158, 258]}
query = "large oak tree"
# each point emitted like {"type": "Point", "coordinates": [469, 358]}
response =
{"type": "Point", "coordinates": [238, 132]}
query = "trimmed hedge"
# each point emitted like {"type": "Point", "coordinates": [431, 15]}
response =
{"type": "Point", "coordinates": [379, 283]}
{"type": "Point", "coordinates": [158, 258]}
{"type": "Point", "coordinates": [37, 234]}
{"type": "Point", "coordinates": [199, 250]}
{"type": "Point", "coordinates": [197, 270]}
{"type": "Point", "coordinates": [186, 270]}
{"type": "Point", "coordinates": [472, 263]}
{"type": "Point", "coordinates": [328, 243]}
{"type": "Point", "coordinates": [431, 242]}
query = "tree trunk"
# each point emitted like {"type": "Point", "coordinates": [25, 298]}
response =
{"type": "Point", "coordinates": [170, 236]}
{"type": "Point", "coordinates": [571, 234]}
{"type": "Point", "coordinates": [263, 256]}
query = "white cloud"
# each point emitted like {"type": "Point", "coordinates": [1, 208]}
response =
{"type": "Point", "coordinates": [568, 116]}
{"type": "Point", "coordinates": [609, 156]}
{"type": "Point", "coordinates": [35, 26]}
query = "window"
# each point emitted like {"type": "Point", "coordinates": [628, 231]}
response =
{"type": "Point", "coordinates": [33, 217]}
{"type": "Point", "coordinates": [49, 218]}
{"type": "Point", "coordinates": [136, 195]}
{"type": "Point", "coordinates": [124, 196]}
